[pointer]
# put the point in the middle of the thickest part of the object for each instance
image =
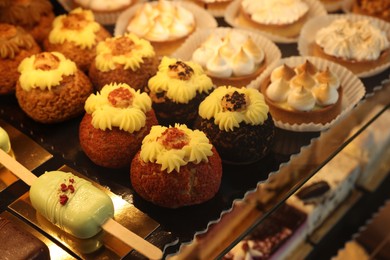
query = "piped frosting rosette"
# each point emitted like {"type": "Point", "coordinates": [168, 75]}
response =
{"type": "Point", "coordinates": [175, 146]}
{"type": "Point", "coordinates": [118, 105]}
{"type": "Point", "coordinates": [352, 87]}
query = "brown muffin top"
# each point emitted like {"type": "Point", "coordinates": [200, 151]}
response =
{"type": "Point", "coordinates": [13, 39]}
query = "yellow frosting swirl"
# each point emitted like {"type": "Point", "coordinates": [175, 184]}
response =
{"type": "Point", "coordinates": [45, 70]}
{"type": "Point", "coordinates": [78, 26]}
{"type": "Point", "coordinates": [196, 149]}
{"type": "Point", "coordinates": [180, 90]}
{"type": "Point", "coordinates": [255, 111]}
{"type": "Point", "coordinates": [127, 114]}
{"type": "Point", "coordinates": [108, 57]}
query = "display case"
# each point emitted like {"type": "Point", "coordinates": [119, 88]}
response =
{"type": "Point", "coordinates": [247, 196]}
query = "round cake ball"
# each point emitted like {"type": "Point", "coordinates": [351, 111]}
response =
{"type": "Point", "coordinates": [123, 59]}
{"type": "Point", "coordinates": [177, 90]}
{"type": "Point", "coordinates": [116, 120]}
{"type": "Point", "coordinates": [76, 35]}
{"type": "Point", "coordinates": [176, 167]}
{"type": "Point", "coordinates": [15, 45]}
{"type": "Point", "coordinates": [238, 123]}
{"type": "Point", "coordinates": [51, 88]}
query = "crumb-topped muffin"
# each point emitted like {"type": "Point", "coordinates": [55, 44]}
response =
{"type": "Point", "coordinates": [123, 59]}
{"type": "Point", "coordinates": [176, 167]}
{"type": "Point", "coordinates": [359, 45]}
{"type": "Point", "coordinates": [177, 90]}
{"type": "Point", "coordinates": [303, 94]}
{"type": "Point", "coordinates": [237, 122]}
{"type": "Point", "coordinates": [281, 17]}
{"type": "Point", "coordinates": [51, 88]}
{"type": "Point", "coordinates": [116, 120]}
{"type": "Point", "coordinates": [76, 35]}
{"type": "Point", "coordinates": [15, 45]}
{"type": "Point", "coordinates": [376, 8]}
{"type": "Point", "coordinates": [35, 16]}
{"type": "Point", "coordinates": [165, 24]}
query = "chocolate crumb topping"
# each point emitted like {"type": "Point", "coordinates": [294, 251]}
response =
{"type": "Point", "coordinates": [313, 191]}
{"type": "Point", "coordinates": [174, 138]}
{"type": "Point", "coordinates": [121, 45]}
{"type": "Point", "coordinates": [180, 70]}
{"type": "Point", "coordinates": [120, 97]}
{"type": "Point", "coordinates": [234, 101]}
{"type": "Point", "coordinates": [46, 61]}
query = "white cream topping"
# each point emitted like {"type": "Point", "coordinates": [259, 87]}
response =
{"type": "Point", "coordinates": [275, 12]}
{"type": "Point", "coordinates": [325, 95]}
{"type": "Point", "coordinates": [234, 54]}
{"type": "Point", "coordinates": [5, 143]}
{"type": "Point", "coordinates": [162, 21]}
{"type": "Point", "coordinates": [301, 99]}
{"type": "Point", "coordinates": [103, 5]}
{"type": "Point", "coordinates": [352, 40]}
{"type": "Point", "coordinates": [278, 90]}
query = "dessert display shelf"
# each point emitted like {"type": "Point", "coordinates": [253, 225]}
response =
{"type": "Point", "coordinates": [176, 231]}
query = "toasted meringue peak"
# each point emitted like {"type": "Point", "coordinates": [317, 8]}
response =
{"type": "Point", "coordinates": [284, 71]}
{"type": "Point", "coordinates": [278, 90]}
{"type": "Point", "coordinates": [227, 50]}
{"type": "Point", "coordinates": [325, 95]}
{"type": "Point", "coordinates": [219, 67]}
{"type": "Point", "coordinates": [327, 77]}
{"type": "Point", "coordinates": [250, 47]}
{"type": "Point", "coordinates": [242, 64]}
{"type": "Point", "coordinates": [301, 99]}
{"type": "Point", "coordinates": [303, 79]}
{"type": "Point", "coordinates": [308, 67]}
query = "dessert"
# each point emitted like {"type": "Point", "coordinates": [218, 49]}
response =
{"type": "Point", "coordinates": [15, 45]}
{"type": "Point", "coordinates": [376, 8]}
{"type": "Point", "coordinates": [176, 167]}
{"type": "Point", "coordinates": [123, 59]}
{"type": "Point", "coordinates": [76, 35]}
{"type": "Point", "coordinates": [231, 58]}
{"type": "Point", "coordinates": [177, 90]}
{"type": "Point", "coordinates": [165, 24]}
{"type": "Point", "coordinates": [104, 6]}
{"type": "Point", "coordinates": [279, 17]}
{"type": "Point", "coordinates": [73, 204]}
{"type": "Point", "coordinates": [237, 122]}
{"type": "Point", "coordinates": [5, 143]}
{"type": "Point", "coordinates": [303, 94]}
{"type": "Point", "coordinates": [51, 88]}
{"type": "Point", "coordinates": [35, 16]}
{"type": "Point", "coordinates": [17, 243]}
{"type": "Point", "coordinates": [357, 44]}
{"type": "Point", "coordinates": [332, 5]}
{"type": "Point", "coordinates": [216, 7]}
{"type": "Point", "coordinates": [116, 120]}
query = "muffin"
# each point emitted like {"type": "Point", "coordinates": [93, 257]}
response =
{"type": "Point", "coordinates": [116, 120]}
{"type": "Point", "coordinates": [230, 58]}
{"type": "Point", "coordinates": [51, 88]}
{"type": "Point", "coordinates": [15, 45]}
{"type": "Point", "coordinates": [165, 24]}
{"type": "Point", "coordinates": [357, 44]}
{"type": "Point", "coordinates": [177, 90]}
{"type": "Point", "coordinates": [76, 35]}
{"type": "Point", "coordinates": [123, 59]}
{"type": "Point", "coordinates": [376, 8]}
{"type": "Point", "coordinates": [176, 167]}
{"type": "Point", "coordinates": [303, 94]}
{"type": "Point", "coordinates": [280, 17]}
{"type": "Point", "coordinates": [238, 123]}
{"type": "Point", "coordinates": [35, 16]}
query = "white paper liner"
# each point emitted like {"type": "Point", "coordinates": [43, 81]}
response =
{"type": "Point", "coordinates": [315, 9]}
{"type": "Point", "coordinates": [353, 89]}
{"type": "Point", "coordinates": [214, 11]}
{"type": "Point", "coordinates": [271, 51]}
{"type": "Point", "coordinates": [104, 18]}
{"type": "Point", "coordinates": [203, 19]}
{"type": "Point", "coordinates": [310, 29]}
{"type": "Point", "coordinates": [333, 6]}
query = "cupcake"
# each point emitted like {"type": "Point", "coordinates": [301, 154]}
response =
{"type": "Point", "coordinates": [76, 35]}
{"type": "Point", "coordinates": [176, 167]}
{"type": "Point", "coordinates": [123, 59]}
{"type": "Point", "coordinates": [303, 94]}
{"type": "Point", "coordinates": [376, 8]}
{"type": "Point", "coordinates": [359, 44]}
{"type": "Point", "coordinates": [116, 120]}
{"type": "Point", "coordinates": [35, 16]}
{"type": "Point", "coordinates": [15, 45]}
{"type": "Point", "coordinates": [51, 88]}
{"type": "Point", "coordinates": [237, 122]}
{"type": "Point", "coordinates": [230, 58]}
{"type": "Point", "coordinates": [177, 90]}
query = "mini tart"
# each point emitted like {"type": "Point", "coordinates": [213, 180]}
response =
{"type": "Point", "coordinates": [116, 120]}
{"type": "Point", "coordinates": [177, 90]}
{"type": "Point", "coordinates": [289, 28]}
{"type": "Point", "coordinates": [376, 8]}
{"type": "Point", "coordinates": [104, 7]}
{"type": "Point", "coordinates": [213, 5]}
{"type": "Point", "coordinates": [76, 35]}
{"type": "Point", "coordinates": [299, 81]}
{"type": "Point", "coordinates": [35, 16]}
{"type": "Point", "coordinates": [51, 88]}
{"type": "Point", "coordinates": [237, 122]}
{"type": "Point", "coordinates": [15, 45]}
{"type": "Point", "coordinates": [176, 167]}
{"type": "Point", "coordinates": [165, 24]}
{"type": "Point", "coordinates": [123, 59]}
